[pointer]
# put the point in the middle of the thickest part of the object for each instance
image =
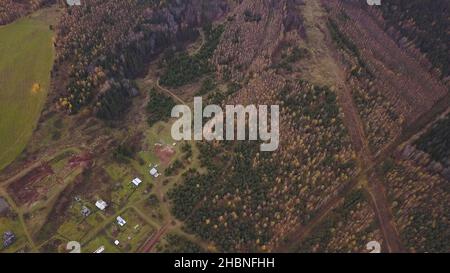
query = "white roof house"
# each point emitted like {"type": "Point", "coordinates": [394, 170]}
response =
{"type": "Point", "coordinates": [101, 205]}
{"type": "Point", "coordinates": [100, 249]}
{"type": "Point", "coordinates": [153, 171]}
{"type": "Point", "coordinates": [116, 242]}
{"type": "Point", "coordinates": [121, 221]}
{"type": "Point", "coordinates": [136, 181]}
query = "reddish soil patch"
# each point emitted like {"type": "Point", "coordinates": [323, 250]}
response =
{"type": "Point", "coordinates": [83, 160]}
{"type": "Point", "coordinates": [58, 213]}
{"type": "Point", "coordinates": [24, 189]}
{"type": "Point", "coordinates": [164, 153]}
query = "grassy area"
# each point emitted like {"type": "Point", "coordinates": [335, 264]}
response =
{"type": "Point", "coordinates": [77, 226]}
{"type": "Point", "coordinates": [159, 133]}
{"type": "Point", "coordinates": [26, 57]}
{"type": "Point", "coordinates": [176, 243]}
{"type": "Point", "coordinates": [101, 240]}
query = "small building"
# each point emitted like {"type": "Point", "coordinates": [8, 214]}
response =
{"type": "Point", "coordinates": [154, 172]}
{"type": "Point", "coordinates": [121, 221]}
{"type": "Point", "coordinates": [100, 249]}
{"type": "Point", "coordinates": [85, 211]}
{"type": "Point", "coordinates": [73, 2]}
{"type": "Point", "coordinates": [101, 205]}
{"type": "Point", "coordinates": [116, 242]}
{"type": "Point", "coordinates": [8, 238]}
{"type": "Point", "coordinates": [137, 181]}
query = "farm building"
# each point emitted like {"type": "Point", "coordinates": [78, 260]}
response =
{"type": "Point", "coordinates": [100, 249]}
{"type": "Point", "coordinates": [154, 172]}
{"type": "Point", "coordinates": [137, 181]}
{"type": "Point", "coordinates": [121, 221]}
{"type": "Point", "coordinates": [85, 211]}
{"type": "Point", "coordinates": [101, 205]}
{"type": "Point", "coordinates": [8, 238]}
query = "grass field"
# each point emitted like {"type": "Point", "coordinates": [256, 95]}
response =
{"type": "Point", "coordinates": [26, 57]}
{"type": "Point", "coordinates": [12, 224]}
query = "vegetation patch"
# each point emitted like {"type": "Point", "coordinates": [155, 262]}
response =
{"type": "Point", "coordinates": [436, 141]}
{"type": "Point", "coordinates": [159, 107]}
{"type": "Point", "coordinates": [183, 69]}
{"type": "Point", "coordinates": [348, 228]}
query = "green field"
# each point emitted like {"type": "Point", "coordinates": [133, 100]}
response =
{"type": "Point", "coordinates": [26, 57]}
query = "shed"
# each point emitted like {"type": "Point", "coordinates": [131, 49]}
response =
{"type": "Point", "coordinates": [8, 238]}
{"type": "Point", "coordinates": [121, 221]}
{"type": "Point", "coordinates": [101, 205]}
{"type": "Point", "coordinates": [100, 249]}
{"type": "Point", "coordinates": [137, 181]}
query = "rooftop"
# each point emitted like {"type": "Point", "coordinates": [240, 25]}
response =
{"type": "Point", "coordinates": [101, 204]}
{"type": "Point", "coordinates": [121, 221]}
{"type": "Point", "coordinates": [137, 181]}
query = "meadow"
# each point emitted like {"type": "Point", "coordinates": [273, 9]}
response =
{"type": "Point", "coordinates": [26, 57]}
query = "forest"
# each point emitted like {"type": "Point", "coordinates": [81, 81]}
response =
{"type": "Point", "coordinates": [246, 196]}
{"type": "Point", "coordinates": [159, 107]}
{"type": "Point", "coordinates": [426, 23]}
{"type": "Point", "coordinates": [98, 57]}
{"type": "Point", "coordinates": [420, 201]}
{"type": "Point", "coordinates": [182, 68]}
{"type": "Point", "coordinates": [11, 10]}
{"type": "Point", "coordinates": [436, 141]}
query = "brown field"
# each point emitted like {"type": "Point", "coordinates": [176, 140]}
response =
{"type": "Point", "coordinates": [24, 190]}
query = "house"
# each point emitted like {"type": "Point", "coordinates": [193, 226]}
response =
{"type": "Point", "coordinates": [100, 249]}
{"type": "Point", "coordinates": [8, 238]}
{"type": "Point", "coordinates": [121, 221]}
{"type": "Point", "coordinates": [85, 211]}
{"type": "Point", "coordinates": [136, 182]}
{"type": "Point", "coordinates": [101, 205]}
{"type": "Point", "coordinates": [116, 242]}
{"type": "Point", "coordinates": [154, 172]}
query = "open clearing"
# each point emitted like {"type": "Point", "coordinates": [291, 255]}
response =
{"type": "Point", "coordinates": [26, 57]}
